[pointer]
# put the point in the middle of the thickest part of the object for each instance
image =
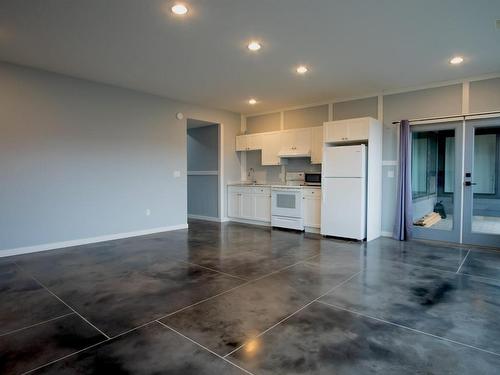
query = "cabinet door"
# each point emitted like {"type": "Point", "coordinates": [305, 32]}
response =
{"type": "Point", "coordinates": [302, 141]}
{"type": "Point", "coordinates": [312, 212]}
{"type": "Point", "coordinates": [254, 141]}
{"type": "Point", "coordinates": [234, 204]}
{"type": "Point", "coordinates": [271, 146]}
{"type": "Point", "coordinates": [287, 142]}
{"type": "Point", "coordinates": [247, 205]}
{"type": "Point", "coordinates": [358, 129]}
{"type": "Point", "coordinates": [317, 145]}
{"type": "Point", "coordinates": [263, 207]}
{"type": "Point", "coordinates": [335, 131]}
{"type": "Point", "coordinates": [241, 143]}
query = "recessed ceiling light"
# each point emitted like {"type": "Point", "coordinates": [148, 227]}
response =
{"type": "Point", "coordinates": [252, 101]}
{"type": "Point", "coordinates": [254, 46]}
{"type": "Point", "coordinates": [456, 60]}
{"type": "Point", "coordinates": [302, 69]}
{"type": "Point", "coordinates": [179, 9]}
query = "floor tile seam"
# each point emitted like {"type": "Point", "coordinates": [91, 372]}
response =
{"type": "Point", "coordinates": [62, 301]}
{"type": "Point", "coordinates": [418, 266]}
{"type": "Point", "coordinates": [204, 347]}
{"type": "Point", "coordinates": [297, 311]}
{"type": "Point", "coordinates": [229, 290]}
{"type": "Point", "coordinates": [213, 270]}
{"type": "Point", "coordinates": [463, 261]}
{"type": "Point", "coordinates": [408, 328]}
{"type": "Point", "coordinates": [66, 356]}
{"type": "Point", "coordinates": [37, 324]}
{"type": "Point", "coordinates": [486, 278]}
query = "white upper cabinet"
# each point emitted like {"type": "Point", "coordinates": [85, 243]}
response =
{"type": "Point", "coordinates": [317, 145]}
{"type": "Point", "coordinates": [249, 142]}
{"type": "Point", "coordinates": [346, 130]}
{"type": "Point", "coordinates": [271, 146]}
{"type": "Point", "coordinates": [296, 142]}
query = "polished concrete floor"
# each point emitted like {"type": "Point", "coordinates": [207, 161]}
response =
{"type": "Point", "coordinates": [236, 299]}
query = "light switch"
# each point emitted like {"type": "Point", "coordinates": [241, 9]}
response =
{"type": "Point", "coordinates": [390, 173]}
{"type": "Point", "coordinates": [177, 174]}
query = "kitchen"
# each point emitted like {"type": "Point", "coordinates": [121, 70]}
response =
{"type": "Point", "coordinates": [344, 201]}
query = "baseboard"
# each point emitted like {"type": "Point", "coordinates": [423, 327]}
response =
{"type": "Point", "coordinates": [386, 234]}
{"type": "Point", "coordinates": [252, 222]}
{"type": "Point", "coordinates": [85, 241]}
{"type": "Point", "coordinates": [206, 218]}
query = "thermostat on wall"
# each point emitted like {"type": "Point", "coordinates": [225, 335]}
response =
{"type": "Point", "coordinates": [179, 115]}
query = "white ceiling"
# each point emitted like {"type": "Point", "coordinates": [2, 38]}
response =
{"type": "Point", "coordinates": [353, 47]}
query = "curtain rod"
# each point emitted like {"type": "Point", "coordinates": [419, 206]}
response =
{"type": "Point", "coordinates": [450, 116]}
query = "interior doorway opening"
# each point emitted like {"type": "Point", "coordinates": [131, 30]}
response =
{"type": "Point", "coordinates": [203, 170]}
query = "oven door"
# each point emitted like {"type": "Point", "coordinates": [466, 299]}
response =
{"type": "Point", "coordinates": [287, 203]}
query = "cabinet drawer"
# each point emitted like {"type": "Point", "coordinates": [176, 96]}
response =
{"type": "Point", "coordinates": [311, 193]}
{"type": "Point", "coordinates": [262, 190]}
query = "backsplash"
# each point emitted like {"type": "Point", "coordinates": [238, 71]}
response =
{"type": "Point", "coordinates": [271, 174]}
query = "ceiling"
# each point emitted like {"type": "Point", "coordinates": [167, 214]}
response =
{"type": "Point", "coordinates": [353, 47]}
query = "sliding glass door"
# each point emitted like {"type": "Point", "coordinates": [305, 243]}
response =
{"type": "Point", "coordinates": [436, 186]}
{"type": "Point", "coordinates": [482, 182]}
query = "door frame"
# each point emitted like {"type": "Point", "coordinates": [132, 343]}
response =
{"type": "Point", "coordinates": [454, 235]}
{"type": "Point", "coordinates": [221, 192]}
{"type": "Point", "coordinates": [470, 237]}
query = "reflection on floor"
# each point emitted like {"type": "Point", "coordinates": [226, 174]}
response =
{"type": "Point", "coordinates": [236, 299]}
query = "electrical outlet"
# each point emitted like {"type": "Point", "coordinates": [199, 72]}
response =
{"type": "Point", "coordinates": [148, 212]}
{"type": "Point", "coordinates": [177, 174]}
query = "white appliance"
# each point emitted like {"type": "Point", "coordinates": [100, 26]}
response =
{"type": "Point", "coordinates": [343, 208]}
{"type": "Point", "coordinates": [286, 207]}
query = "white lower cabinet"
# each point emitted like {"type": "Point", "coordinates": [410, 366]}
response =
{"type": "Point", "coordinates": [263, 207]}
{"type": "Point", "coordinates": [312, 207]}
{"type": "Point", "coordinates": [249, 203]}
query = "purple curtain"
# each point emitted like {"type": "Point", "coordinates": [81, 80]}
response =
{"type": "Point", "coordinates": [404, 212]}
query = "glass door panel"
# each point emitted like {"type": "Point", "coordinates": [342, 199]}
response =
{"type": "Point", "coordinates": [482, 184]}
{"type": "Point", "coordinates": [435, 153]}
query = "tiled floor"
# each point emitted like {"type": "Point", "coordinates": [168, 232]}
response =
{"type": "Point", "coordinates": [236, 299]}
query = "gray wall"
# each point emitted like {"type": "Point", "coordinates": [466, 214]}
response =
{"type": "Point", "coordinates": [484, 95]}
{"type": "Point", "coordinates": [203, 148]}
{"type": "Point", "coordinates": [356, 108]}
{"type": "Point", "coordinates": [80, 159]}
{"type": "Point", "coordinates": [263, 123]}
{"type": "Point", "coordinates": [305, 117]}
{"type": "Point", "coordinates": [203, 155]}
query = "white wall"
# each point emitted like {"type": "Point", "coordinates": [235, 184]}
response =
{"type": "Point", "coordinates": [79, 159]}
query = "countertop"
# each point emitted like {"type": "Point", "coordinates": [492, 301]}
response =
{"type": "Point", "coordinates": [243, 184]}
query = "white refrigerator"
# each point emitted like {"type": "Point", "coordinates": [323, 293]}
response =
{"type": "Point", "coordinates": [343, 191]}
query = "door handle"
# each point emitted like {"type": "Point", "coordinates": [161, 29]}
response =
{"type": "Point", "coordinates": [469, 183]}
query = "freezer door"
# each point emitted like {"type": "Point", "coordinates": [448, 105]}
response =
{"type": "Point", "coordinates": [344, 161]}
{"type": "Point", "coordinates": [343, 212]}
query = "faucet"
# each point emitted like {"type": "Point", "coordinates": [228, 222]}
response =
{"type": "Point", "coordinates": [251, 175]}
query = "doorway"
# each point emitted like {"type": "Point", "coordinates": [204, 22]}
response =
{"type": "Point", "coordinates": [203, 170]}
{"type": "Point", "coordinates": [482, 183]}
{"type": "Point", "coordinates": [455, 170]}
